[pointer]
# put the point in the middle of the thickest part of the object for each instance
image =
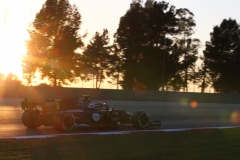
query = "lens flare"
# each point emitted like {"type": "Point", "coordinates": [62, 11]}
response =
{"type": "Point", "coordinates": [235, 117]}
{"type": "Point", "coordinates": [194, 104]}
{"type": "Point", "coordinates": [184, 101]}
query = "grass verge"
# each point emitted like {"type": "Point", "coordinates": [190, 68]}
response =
{"type": "Point", "coordinates": [199, 144]}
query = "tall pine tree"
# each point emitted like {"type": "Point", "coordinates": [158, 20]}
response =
{"type": "Point", "coordinates": [54, 39]}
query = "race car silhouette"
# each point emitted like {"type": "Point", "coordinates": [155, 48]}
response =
{"type": "Point", "coordinates": [66, 114]}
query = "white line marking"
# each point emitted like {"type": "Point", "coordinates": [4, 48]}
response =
{"type": "Point", "coordinates": [114, 132]}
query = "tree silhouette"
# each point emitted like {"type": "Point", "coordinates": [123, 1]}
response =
{"type": "Point", "coordinates": [203, 77]}
{"type": "Point", "coordinates": [146, 36]}
{"type": "Point", "coordinates": [186, 50]}
{"type": "Point", "coordinates": [96, 56]}
{"type": "Point", "coordinates": [54, 39]}
{"type": "Point", "coordinates": [115, 64]}
{"type": "Point", "coordinates": [222, 57]}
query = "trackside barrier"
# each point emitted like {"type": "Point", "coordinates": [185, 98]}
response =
{"type": "Point", "coordinates": [119, 95]}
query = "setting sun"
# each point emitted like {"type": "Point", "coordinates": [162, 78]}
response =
{"type": "Point", "coordinates": [15, 17]}
{"type": "Point", "coordinates": [12, 49]}
{"type": "Point", "coordinates": [12, 37]}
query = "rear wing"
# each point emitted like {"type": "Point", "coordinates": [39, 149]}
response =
{"type": "Point", "coordinates": [46, 105]}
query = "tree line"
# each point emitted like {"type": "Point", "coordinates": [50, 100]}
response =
{"type": "Point", "coordinates": [153, 48]}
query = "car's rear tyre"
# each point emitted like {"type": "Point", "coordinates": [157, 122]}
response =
{"type": "Point", "coordinates": [140, 120]}
{"type": "Point", "coordinates": [64, 122]}
{"type": "Point", "coordinates": [30, 119]}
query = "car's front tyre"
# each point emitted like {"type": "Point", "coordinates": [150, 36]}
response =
{"type": "Point", "coordinates": [64, 122]}
{"type": "Point", "coordinates": [140, 120]}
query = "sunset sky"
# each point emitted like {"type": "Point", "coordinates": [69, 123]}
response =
{"type": "Point", "coordinates": [15, 15]}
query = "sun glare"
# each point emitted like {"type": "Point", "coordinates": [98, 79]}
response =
{"type": "Point", "coordinates": [15, 16]}
{"type": "Point", "coordinates": [12, 49]}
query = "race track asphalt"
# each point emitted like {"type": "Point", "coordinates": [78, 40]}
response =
{"type": "Point", "coordinates": [174, 115]}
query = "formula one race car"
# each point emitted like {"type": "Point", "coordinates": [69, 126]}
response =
{"type": "Point", "coordinates": [66, 114]}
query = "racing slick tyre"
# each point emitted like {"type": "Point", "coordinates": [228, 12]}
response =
{"type": "Point", "coordinates": [30, 119]}
{"type": "Point", "coordinates": [64, 122]}
{"type": "Point", "coordinates": [140, 120]}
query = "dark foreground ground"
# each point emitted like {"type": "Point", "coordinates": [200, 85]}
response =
{"type": "Point", "coordinates": [198, 144]}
